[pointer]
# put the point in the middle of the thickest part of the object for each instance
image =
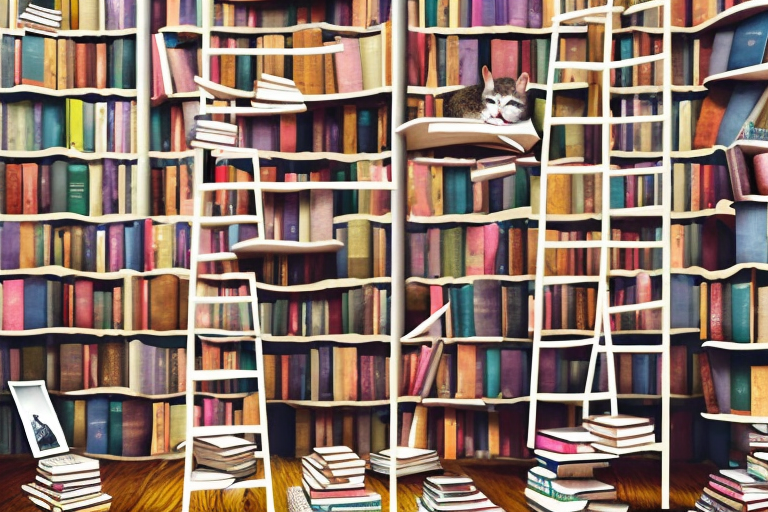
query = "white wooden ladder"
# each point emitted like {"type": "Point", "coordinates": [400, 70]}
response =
{"type": "Point", "coordinates": [565, 23]}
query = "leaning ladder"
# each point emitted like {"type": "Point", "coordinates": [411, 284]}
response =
{"type": "Point", "coordinates": [564, 23]}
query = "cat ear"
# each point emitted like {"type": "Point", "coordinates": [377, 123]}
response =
{"type": "Point", "coordinates": [522, 83]}
{"type": "Point", "coordinates": [487, 78]}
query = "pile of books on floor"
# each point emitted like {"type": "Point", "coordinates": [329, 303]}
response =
{"type": "Point", "coordinates": [334, 478]}
{"type": "Point", "coordinates": [210, 134]}
{"type": "Point", "coordinates": [68, 482]}
{"type": "Point", "coordinates": [35, 18]}
{"type": "Point", "coordinates": [409, 461]}
{"type": "Point", "coordinates": [269, 93]}
{"type": "Point", "coordinates": [443, 493]}
{"type": "Point", "coordinates": [740, 489]}
{"type": "Point", "coordinates": [564, 479]}
{"type": "Point", "coordinates": [228, 456]}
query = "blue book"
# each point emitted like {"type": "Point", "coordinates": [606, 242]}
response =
{"type": "Point", "coordinates": [743, 99]}
{"type": "Point", "coordinates": [134, 246]}
{"type": "Point", "coordinates": [341, 255]}
{"type": "Point", "coordinates": [681, 287]}
{"type": "Point", "coordinates": [740, 311]}
{"type": "Point", "coordinates": [35, 303]}
{"type": "Point", "coordinates": [749, 39]}
{"type": "Point", "coordinates": [492, 372]}
{"type": "Point", "coordinates": [53, 125]}
{"type": "Point", "coordinates": [10, 252]}
{"type": "Point", "coordinates": [751, 237]}
{"type": "Point", "coordinates": [97, 419]}
{"type": "Point", "coordinates": [641, 369]}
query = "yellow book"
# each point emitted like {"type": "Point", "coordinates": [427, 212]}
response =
{"type": "Point", "coordinates": [49, 61]}
{"type": "Point", "coordinates": [95, 171]}
{"type": "Point", "coordinates": [79, 436]}
{"type": "Point", "coordinates": [74, 111]}
{"type": "Point", "coordinates": [370, 56]}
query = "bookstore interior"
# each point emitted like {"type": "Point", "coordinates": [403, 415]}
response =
{"type": "Point", "coordinates": [383, 255]}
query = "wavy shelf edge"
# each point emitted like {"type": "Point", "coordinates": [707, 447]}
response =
{"type": "Point", "coordinates": [734, 418]}
{"type": "Point", "coordinates": [341, 29]}
{"type": "Point", "coordinates": [522, 212]}
{"type": "Point", "coordinates": [143, 458]}
{"type": "Point", "coordinates": [734, 345]}
{"type": "Point", "coordinates": [325, 284]}
{"type": "Point", "coordinates": [58, 93]}
{"type": "Point", "coordinates": [92, 332]}
{"type": "Point", "coordinates": [338, 338]}
{"type": "Point", "coordinates": [119, 390]}
{"type": "Point", "coordinates": [100, 219]}
{"type": "Point", "coordinates": [442, 281]}
{"type": "Point", "coordinates": [332, 403]}
{"type": "Point", "coordinates": [55, 270]}
{"type": "Point", "coordinates": [69, 153]}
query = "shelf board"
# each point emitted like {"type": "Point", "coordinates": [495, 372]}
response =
{"type": "Point", "coordinates": [298, 186]}
{"type": "Point", "coordinates": [172, 154]}
{"type": "Point", "coordinates": [100, 219]}
{"type": "Point", "coordinates": [339, 338]}
{"type": "Point", "coordinates": [443, 281]}
{"type": "Point", "coordinates": [54, 270]}
{"type": "Point", "coordinates": [76, 34]}
{"type": "Point", "coordinates": [69, 153]}
{"type": "Point", "coordinates": [120, 391]}
{"type": "Point", "coordinates": [325, 284]}
{"type": "Point", "coordinates": [523, 212]}
{"type": "Point", "coordinates": [733, 15]}
{"type": "Point", "coordinates": [342, 96]}
{"type": "Point", "coordinates": [92, 332]}
{"type": "Point", "coordinates": [657, 89]}
{"type": "Point", "coordinates": [494, 29]}
{"type": "Point", "coordinates": [723, 207]}
{"type": "Point", "coordinates": [472, 339]}
{"type": "Point", "coordinates": [60, 93]}
{"type": "Point", "coordinates": [257, 246]}
{"type": "Point", "coordinates": [750, 73]}
{"type": "Point", "coordinates": [339, 29]}
{"type": "Point", "coordinates": [331, 403]}
{"type": "Point", "coordinates": [307, 156]}
{"type": "Point", "coordinates": [432, 132]}
{"type": "Point", "coordinates": [733, 345]}
{"type": "Point", "coordinates": [735, 418]}
{"type": "Point", "coordinates": [145, 458]}
{"type": "Point", "coordinates": [380, 219]}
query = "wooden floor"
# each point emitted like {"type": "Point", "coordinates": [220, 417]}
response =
{"type": "Point", "coordinates": [156, 486]}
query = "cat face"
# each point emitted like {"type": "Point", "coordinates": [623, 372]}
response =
{"type": "Point", "coordinates": [504, 105]}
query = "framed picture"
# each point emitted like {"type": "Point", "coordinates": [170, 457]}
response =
{"type": "Point", "coordinates": [41, 424]}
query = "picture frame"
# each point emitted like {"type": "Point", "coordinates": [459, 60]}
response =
{"type": "Point", "coordinates": [41, 424]}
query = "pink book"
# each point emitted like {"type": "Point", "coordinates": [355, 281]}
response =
{"type": "Point", "coordinates": [349, 67]}
{"type": "Point", "coordinates": [504, 58]}
{"type": "Point", "coordinates": [13, 305]}
{"type": "Point", "coordinates": [84, 303]}
{"type": "Point", "coordinates": [15, 362]}
{"type": "Point", "coordinates": [198, 415]}
{"type": "Point", "coordinates": [182, 369]}
{"type": "Point", "coordinates": [547, 309]}
{"type": "Point", "coordinates": [475, 247]}
{"type": "Point", "coordinates": [421, 371]}
{"type": "Point", "coordinates": [491, 244]}
{"type": "Point", "coordinates": [420, 203]}
{"type": "Point", "coordinates": [560, 446]}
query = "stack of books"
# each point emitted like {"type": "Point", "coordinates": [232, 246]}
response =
{"type": "Point", "coordinates": [409, 461]}
{"type": "Point", "coordinates": [564, 479]}
{"type": "Point", "coordinates": [210, 134]}
{"type": "Point", "coordinates": [621, 431]}
{"type": "Point", "coordinates": [443, 493]}
{"type": "Point", "coordinates": [40, 18]}
{"type": "Point", "coordinates": [740, 489]}
{"type": "Point", "coordinates": [334, 477]}
{"type": "Point", "coordinates": [230, 456]}
{"type": "Point", "coordinates": [271, 93]}
{"type": "Point", "coordinates": [68, 482]}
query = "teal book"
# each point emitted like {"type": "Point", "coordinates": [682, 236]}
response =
{"type": "Point", "coordinates": [749, 40]}
{"type": "Point", "coordinates": [740, 311]}
{"type": "Point", "coordinates": [77, 189]}
{"type": "Point", "coordinates": [155, 130]}
{"type": "Point", "coordinates": [129, 68]}
{"type": "Point", "coordinates": [522, 187]}
{"type": "Point", "coordinates": [741, 383]}
{"type": "Point", "coordinates": [353, 193]}
{"type": "Point", "coordinates": [67, 418]}
{"type": "Point", "coordinates": [89, 127]}
{"type": "Point", "coordinates": [430, 13]}
{"type": "Point", "coordinates": [244, 73]}
{"type": "Point", "coordinates": [33, 60]}
{"type": "Point", "coordinates": [59, 186]}
{"type": "Point", "coordinates": [463, 310]}
{"type": "Point", "coordinates": [116, 63]}
{"type": "Point", "coordinates": [617, 192]}
{"type": "Point", "coordinates": [115, 445]}
{"type": "Point", "coordinates": [53, 125]}
{"type": "Point", "coordinates": [492, 372]}
{"type": "Point", "coordinates": [457, 190]}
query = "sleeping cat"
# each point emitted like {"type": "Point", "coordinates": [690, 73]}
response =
{"type": "Point", "coordinates": [500, 101]}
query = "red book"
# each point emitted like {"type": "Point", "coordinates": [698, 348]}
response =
{"type": "Point", "coordinates": [84, 304]}
{"type": "Point", "coordinates": [293, 316]}
{"type": "Point", "coordinates": [101, 65]}
{"type": "Point", "coordinates": [707, 384]}
{"type": "Point", "coordinates": [525, 61]}
{"type": "Point", "coordinates": [459, 432]}
{"type": "Point", "coordinates": [215, 61]}
{"type": "Point", "coordinates": [716, 311]}
{"type": "Point", "coordinates": [86, 367]}
{"type": "Point", "coordinates": [645, 318]}
{"type": "Point", "coordinates": [678, 360]}
{"type": "Point", "coordinates": [29, 186]}
{"type": "Point", "coordinates": [475, 258]}
{"type": "Point", "coordinates": [334, 314]}
{"type": "Point", "coordinates": [491, 245]}
{"type": "Point", "coordinates": [13, 189]}
{"type": "Point", "coordinates": [81, 69]}
{"type": "Point", "coordinates": [419, 196]}
{"type": "Point", "coordinates": [367, 378]}
{"type": "Point", "coordinates": [17, 61]}
{"type": "Point", "coordinates": [504, 57]}
{"type": "Point", "coordinates": [285, 372]}
{"type": "Point", "coordinates": [288, 133]}
{"type": "Point", "coordinates": [559, 446]}
{"type": "Point", "coordinates": [13, 305]}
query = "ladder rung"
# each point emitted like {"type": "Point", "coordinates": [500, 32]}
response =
{"type": "Point", "coordinates": [216, 256]}
{"type": "Point", "coordinates": [586, 66]}
{"type": "Point", "coordinates": [575, 169]}
{"type": "Point", "coordinates": [560, 121]}
{"type": "Point", "coordinates": [207, 331]}
{"type": "Point", "coordinates": [555, 280]}
{"type": "Point", "coordinates": [202, 375]}
{"type": "Point", "coordinates": [318, 50]}
{"type": "Point", "coordinates": [652, 4]}
{"type": "Point", "coordinates": [639, 211]}
{"type": "Point", "coordinates": [636, 61]}
{"type": "Point", "coordinates": [622, 244]}
{"type": "Point", "coordinates": [228, 185]}
{"type": "Point", "coordinates": [583, 13]}
{"type": "Point", "coordinates": [226, 275]}
{"type": "Point", "coordinates": [631, 349]}
{"type": "Point", "coordinates": [226, 430]}
{"type": "Point", "coordinates": [658, 118]}
{"type": "Point", "coordinates": [228, 220]}
{"type": "Point", "coordinates": [572, 29]}
{"type": "Point", "coordinates": [636, 171]}
{"type": "Point", "coordinates": [559, 397]}
{"type": "Point", "coordinates": [573, 244]}
{"type": "Point", "coordinates": [567, 343]}
{"type": "Point", "coordinates": [237, 299]}
{"type": "Point", "coordinates": [629, 308]}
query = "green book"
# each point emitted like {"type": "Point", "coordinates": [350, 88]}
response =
{"type": "Point", "coordinates": [740, 312]}
{"type": "Point", "coordinates": [77, 189]}
{"type": "Point", "coordinates": [741, 383]}
{"type": "Point", "coordinates": [116, 75]}
{"type": "Point", "coordinates": [74, 109]}
{"type": "Point", "coordinates": [108, 311]}
{"type": "Point", "coordinates": [115, 446]}
{"type": "Point", "coordinates": [542, 60]}
{"type": "Point", "coordinates": [33, 60]}
{"type": "Point", "coordinates": [39, 245]}
{"type": "Point", "coordinates": [617, 192]}
{"type": "Point", "coordinates": [462, 311]}
{"type": "Point", "coordinates": [67, 418]}
{"type": "Point", "coordinates": [452, 252]}
{"type": "Point", "coordinates": [129, 64]}
{"type": "Point", "coordinates": [244, 73]}
{"type": "Point", "coordinates": [98, 309]}
{"type": "Point", "coordinates": [89, 127]}
{"type": "Point", "coordinates": [492, 372]}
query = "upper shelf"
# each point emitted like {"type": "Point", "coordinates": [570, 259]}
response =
{"type": "Point", "coordinates": [257, 246]}
{"type": "Point", "coordinates": [431, 132]}
{"type": "Point", "coordinates": [494, 29]}
{"type": "Point", "coordinates": [733, 15]}
{"type": "Point", "coordinates": [752, 73]}
{"type": "Point", "coordinates": [71, 34]}
{"type": "Point", "coordinates": [338, 29]}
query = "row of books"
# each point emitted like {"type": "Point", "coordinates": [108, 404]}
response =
{"type": "Point", "coordinates": [81, 14]}
{"type": "Point", "coordinates": [71, 123]}
{"type": "Point", "coordinates": [347, 129]}
{"type": "Point", "coordinates": [66, 63]}
{"type": "Point", "coordinates": [480, 13]}
{"type": "Point", "coordinates": [442, 190]}
{"type": "Point", "coordinates": [327, 373]}
{"type": "Point", "coordinates": [100, 187]}
{"type": "Point", "coordinates": [733, 383]}
{"type": "Point", "coordinates": [465, 371]}
{"type": "Point", "coordinates": [169, 124]}
{"type": "Point", "coordinates": [140, 246]}
{"type": "Point", "coordinates": [437, 61]}
{"type": "Point", "coordinates": [358, 310]}
{"type": "Point", "coordinates": [362, 428]}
